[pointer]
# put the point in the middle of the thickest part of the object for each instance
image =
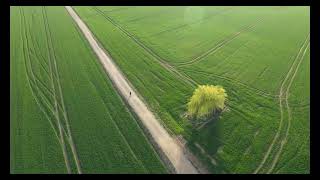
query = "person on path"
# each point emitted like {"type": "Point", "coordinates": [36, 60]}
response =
{"type": "Point", "coordinates": [130, 94]}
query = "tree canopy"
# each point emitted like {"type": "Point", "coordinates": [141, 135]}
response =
{"type": "Point", "coordinates": [206, 100]}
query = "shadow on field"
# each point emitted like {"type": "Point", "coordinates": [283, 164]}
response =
{"type": "Point", "coordinates": [205, 143]}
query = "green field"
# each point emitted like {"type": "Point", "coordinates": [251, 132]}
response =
{"type": "Point", "coordinates": [260, 55]}
{"type": "Point", "coordinates": [64, 112]}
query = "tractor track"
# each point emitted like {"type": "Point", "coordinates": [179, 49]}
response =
{"type": "Point", "coordinates": [147, 16]}
{"type": "Point", "coordinates": [283, 92]}
{"type": "Point", "coordinates": [150, 51]}
{"type": "Point", "coordinates": [220, 44]}
{"type": "Point", "coordinates": [65, 154]}
{"type": "Point", "coordinates": [284, 141]}
{"type": "Point", "coordinates": [64, 112]}
{"type": "Point", "coordinates": [28, 61]}
{"type": "Point", "coordinates": [253, 89]}
{"type": "Point", "coordinates": [188, 24]}
{"type": "Point", "coordinates": [166, 65]}
{"type": "Point", "coordinates": [42, 94]}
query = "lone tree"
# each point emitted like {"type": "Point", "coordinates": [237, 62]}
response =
{"type": "Point", "coordinates": [206, 100]}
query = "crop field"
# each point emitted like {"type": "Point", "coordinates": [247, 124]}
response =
{"type": "Point", "coordinates": [260, 55]}
{"type": "Point", "coordinates": [65, 115]}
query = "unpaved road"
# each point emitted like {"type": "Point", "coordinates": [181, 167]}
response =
{"type": "Point", "coordinates": [167, 144]}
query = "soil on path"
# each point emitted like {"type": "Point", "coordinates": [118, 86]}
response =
{"type": "Point", "coordinates": [168, 145]}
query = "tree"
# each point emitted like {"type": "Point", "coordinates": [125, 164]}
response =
{"type": "Point", "coordinates": [206, 100]}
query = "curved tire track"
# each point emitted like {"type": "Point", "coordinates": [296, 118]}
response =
{"type": "Point", "coordinates": [165, 64]}
{"type": "Point", "coordinates": [281, 98]}
{"type": "Point", "coordinates": [64, 112]}
{"type": "Point", "coordinates": [284, 141]}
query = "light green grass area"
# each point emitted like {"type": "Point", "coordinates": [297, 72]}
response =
{"type": "Point", "coordinates": [60, 96]}
{"type": "Point", "coordinates": [166, 51]}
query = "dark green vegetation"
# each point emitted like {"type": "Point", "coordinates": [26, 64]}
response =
{"type": "Point", "coordinates": [64, 113]}
{"type": "Point", "coordinates": [260, 55]}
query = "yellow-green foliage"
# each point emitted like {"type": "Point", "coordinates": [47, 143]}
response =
{"type": "Point", "coordinates": [205, 100]}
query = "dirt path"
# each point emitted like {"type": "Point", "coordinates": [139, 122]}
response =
{"type": "Point", "coordinates": [167, 144]}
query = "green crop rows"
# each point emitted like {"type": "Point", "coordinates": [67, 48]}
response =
{"type": "Point", "coordinates": [260, 55]}
{"type": "Point", "coordinates": [64, 113]}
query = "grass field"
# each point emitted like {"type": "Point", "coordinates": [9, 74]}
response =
{"type": "Point", "coordinates": [65, 115]}
{"type": "Point", "coordinates": [260, 55]}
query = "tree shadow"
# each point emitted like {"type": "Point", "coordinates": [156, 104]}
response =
{"type": "Point", "coordinates": [205, 142]}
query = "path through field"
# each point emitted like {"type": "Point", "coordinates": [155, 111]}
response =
{"type": "Point", "coordinates": [170, 147]}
